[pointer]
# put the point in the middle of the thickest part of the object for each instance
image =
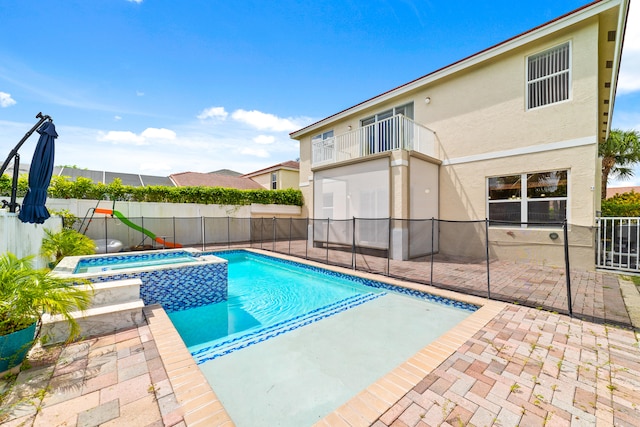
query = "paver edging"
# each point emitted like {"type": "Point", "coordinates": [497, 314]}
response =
{"type": "Point", "coordinates": [193, 413]}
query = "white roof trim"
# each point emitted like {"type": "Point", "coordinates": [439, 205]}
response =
{"type": "Point", "coordinates": [622, 24]}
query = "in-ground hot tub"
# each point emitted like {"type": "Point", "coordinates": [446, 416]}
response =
{"type": "Point", "coordinates": [174, 278]}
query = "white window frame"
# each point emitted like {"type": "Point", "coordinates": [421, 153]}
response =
{"type": "Point", "coordinates": [524, 198]}
{"type": "Point", "coordinates": [327, 141]}
{"type": "Point", "coordinates": [274, 180]}
{"type": "Point", "coordinates": [568, 71]}
{"type": "Point", "coordinates": [383, 115]}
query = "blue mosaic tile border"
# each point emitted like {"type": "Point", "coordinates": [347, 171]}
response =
{"type": "Point", "coordinates": [178, 288]}
{"type": "Point", "coordinates": [227, 347]}
{"type": "Point", "coordinates": [121, 259]}
{"type": "Point", "coordinates": [367, 282]}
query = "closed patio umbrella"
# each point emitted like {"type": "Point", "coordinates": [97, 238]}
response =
{"type": "Point", "coordinates": [33, 209]}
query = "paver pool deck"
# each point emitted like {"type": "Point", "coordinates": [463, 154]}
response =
{"type": "Point", "coordinates": [508, 365]}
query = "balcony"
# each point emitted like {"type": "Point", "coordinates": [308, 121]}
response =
{"type": "Point", "coordinates": [395, 133]}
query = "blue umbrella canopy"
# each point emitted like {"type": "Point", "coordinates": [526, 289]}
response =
{"type": "Point", "coordinates": [33, 208]}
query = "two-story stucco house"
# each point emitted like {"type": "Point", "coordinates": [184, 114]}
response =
{"type": "Point", "coordinates": [509, 134]}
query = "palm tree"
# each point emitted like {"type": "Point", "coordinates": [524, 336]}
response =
{"type": "Point", "coordinates": [67, 242]}
{"type": "Point", "coordinates": [26, 293]}
{"type": "Point", "coordinates": [619, 153]}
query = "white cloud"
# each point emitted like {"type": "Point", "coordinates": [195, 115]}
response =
{"type": "Point", "coordinates": [258, 152]}
{"type": "Point", "coordinates": [158, 133]}
{"type": "Point", "coordinates": [264, 139]}
{"type": "Point", "coordinates": [116, 118]}
{"type": "Point", "coordinates": [127, 137]}
{"type": "Point", "coordinates": [629, 79]}
{"type": "Point", "coordinates": [138, 93]}
{"type": "Point", "coordinates": [135, 1]}
{"type": "Point", "coordinates": [122, 137]}
{"type": "Point", "coordinates": [264, 121]}
{"type": "Point", "coordinates": [213, 113]}
{"type": "Point", "coordinates": [6, 100]}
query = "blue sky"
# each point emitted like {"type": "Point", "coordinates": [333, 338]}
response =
{"type": "Point", "coordinates": [165, 86]}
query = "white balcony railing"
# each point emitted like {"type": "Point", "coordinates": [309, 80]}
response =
{"type": "Point", "coordinates": [395, 133]}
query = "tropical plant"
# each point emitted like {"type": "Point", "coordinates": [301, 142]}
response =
{"type": "Point", "coordinates": [619, 152]}
{"type": "Point", "coordinates": [27, 293]}
{"type": "Point", "coordinates": [67, 242]}
{"type": "Point", "coordinates": [68, 219]}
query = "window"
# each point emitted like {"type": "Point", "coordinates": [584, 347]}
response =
{"type": "Point", "coordinates": [381, 132]}
{"type": "Point", "coordinates": [548, 76]}
{"type": "Point", "coordinates": [274, 180]}
{"type": "Point", "coordinates": [533, 198]}
{"type": "Point", "coordinates": [327, 205]}
{"type": "Point", "coordinates": [322, 146]}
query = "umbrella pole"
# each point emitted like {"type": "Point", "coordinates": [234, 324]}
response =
{"type": "Point", "coordinates": [16, 164]}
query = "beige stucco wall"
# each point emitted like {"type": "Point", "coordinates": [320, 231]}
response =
{"type": "Point", "coordinates": [263, 179]}
{"type": "Point", "coordinates": [483, 129]}
{"type": "Point", "coordinates": [286, 179]}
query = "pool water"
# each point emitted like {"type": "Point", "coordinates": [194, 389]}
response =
{"type": "Point", "coordinates": [121, 262]}
{"type": "Point", "coordinates": [294, 342]}
{"type": "Point", "coordinates": [265, 297]}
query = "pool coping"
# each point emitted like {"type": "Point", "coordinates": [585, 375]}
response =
{"type": "Point", "coordinates": [201, 406]}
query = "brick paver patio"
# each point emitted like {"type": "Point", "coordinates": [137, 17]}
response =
{"type": "Point", "coordinates": [115, 380]}
{"type": "Point", "coordinates": [530, 368]}
{"type": "Point", "coordinates": [525, 367]}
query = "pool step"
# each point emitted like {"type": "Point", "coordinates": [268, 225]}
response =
{"type": "Point", "coordinates": [116, 305]}
{"type": "Point", "coordinates": [243, 340]}
{"type": "Point", "coordinates": [114, 292]}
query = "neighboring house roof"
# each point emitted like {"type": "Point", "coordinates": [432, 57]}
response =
{"type": "Point", "coordinates": [106, 177]}
{"type": "Point", "coordinates": [619, 190]}
{"type": "Point", "coordinates": [197, 179]}
{"type": "Point", "coordinates": [228, 172]}
{"type": "Point", "coordinates": [578, 15]}
{"type": "Point", "coordinates": [289, 164]}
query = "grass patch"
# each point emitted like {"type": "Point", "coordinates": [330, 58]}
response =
{"type": "Point", "coordinates": [634, 279]}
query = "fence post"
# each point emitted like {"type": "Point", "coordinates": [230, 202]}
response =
{"type": "Point", "coordinates": [202, 226]}
{"type": "Point", "coordinates": [486, 236]}
{"type": "Point", "coordinates": [228, 232]}
{"type": "Point", "coordinates": [389, 249]}
{"type": "Point", "coordinates": [106, 245]}
{"type": "Point", "coordinates": [433, 227]}
{"type": "Point", "coordinates": [566, 265]}
{"type": "Point", "coordinates": [174, 229]}
{"type": "Point", "coordinates": [144, 236]}
{"type": "Point", "coordinates": [327, 242]}
{"type": "Point", "coordinates": [306, 244]}
{"type": "Point", "coordinates": [273, 245]}
{"type": "Point", "coordinates": [290, 223]}
{"type": "Point", "coordinates": [353, 243]}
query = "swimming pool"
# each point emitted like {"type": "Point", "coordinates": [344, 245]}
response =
{"type": "Point", "coordinates": [265, 298]}
{"type": "Point", "coordinates": [334, 335]}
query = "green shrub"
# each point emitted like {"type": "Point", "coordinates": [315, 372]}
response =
{"type": "Point", "coordinates": [622, 205]}
{"type": "Point", "coordinates": [68, 219]}
{"type": "Point", "coordinates": [83, 188]}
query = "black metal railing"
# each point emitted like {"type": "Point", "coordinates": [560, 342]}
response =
{"type": "Point", "coordinates": [462, 256]}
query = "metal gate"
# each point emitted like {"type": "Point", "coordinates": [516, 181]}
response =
{"type": "Point", "coordinates": [617, 244]}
